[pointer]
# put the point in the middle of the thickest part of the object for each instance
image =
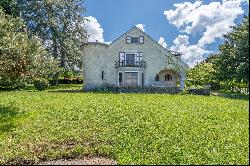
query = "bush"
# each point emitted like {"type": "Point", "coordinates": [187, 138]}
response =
{"type": "Point", "coordinates": [41, 84]}
{"type": "Point", "coordinates": [75, 80]}
{"type": "Point", "coordinates": [11, 83]}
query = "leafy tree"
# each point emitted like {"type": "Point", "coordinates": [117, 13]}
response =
{"type": "Point", "coordinates": [203, 74]}
{"type": "Point", "coordinates": [60, 25]}
{"type": "Point", "coordinates": [22, 59]}
{"type": "Point", "coordinates": [9, 7]}
{"type": "Point", "coordinates": [229, 69]}
{"type": "Point", "coordinates": [233, 60]}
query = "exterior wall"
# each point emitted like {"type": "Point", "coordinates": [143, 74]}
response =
{"type": "Point", "coordinates": [99, 57]}
{"type": "Point", "coordinates": [93, 65]}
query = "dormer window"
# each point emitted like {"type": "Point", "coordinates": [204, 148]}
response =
{"type": "Point", "coordinates": [135, 40]}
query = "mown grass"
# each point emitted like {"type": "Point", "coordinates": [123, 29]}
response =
{"type": "Point", "coordinates": [30, 87]}
{"type": "Point", "coordinates": [130, 128]}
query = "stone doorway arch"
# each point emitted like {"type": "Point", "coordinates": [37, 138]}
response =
{"type": "Point", "coordinates": [167, 78]}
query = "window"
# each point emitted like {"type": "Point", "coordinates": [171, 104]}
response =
{"type": "Point", "coordinates": [156, 78]}
{"type": "Point", "coordinates": [168, 77]}
{"type": "Point", "coordinates": [120, 78]}
{"type": "Point", "coordinates": [130, 39]}
{"type": "Point", "coordinates": [130, 59]}
{"type": "Point", "coordinates": [142, 79]}
{"type": "Point", "coordinates": [131, 79]}
{"type": "Point", "coordinates": [134, 40]}
{"type": "Point", "coordinates": [103, 75]}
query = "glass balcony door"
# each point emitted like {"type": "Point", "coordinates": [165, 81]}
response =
{"type": "Point", "coordinates": [130, 59]}
{"type": "Point", "coordinates": [131, 79]}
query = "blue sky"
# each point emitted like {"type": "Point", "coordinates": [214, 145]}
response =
{"type": "Point", "coordinates": [193, 25]}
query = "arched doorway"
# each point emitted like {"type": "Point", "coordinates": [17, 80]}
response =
{"type": "Point", "coordinates": [167, 78]}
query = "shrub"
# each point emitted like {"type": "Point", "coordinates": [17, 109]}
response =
{"type": "Point", "coordinates": [41, 84]}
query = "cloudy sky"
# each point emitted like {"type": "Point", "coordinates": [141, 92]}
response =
{"type": "Point", "coordinates": [193, 28]}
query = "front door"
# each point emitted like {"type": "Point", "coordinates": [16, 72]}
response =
{"type": "Point", "coordinates": [131, 79]}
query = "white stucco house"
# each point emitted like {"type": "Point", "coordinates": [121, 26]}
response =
{"type": "Point", "coordinates": [133, 59]}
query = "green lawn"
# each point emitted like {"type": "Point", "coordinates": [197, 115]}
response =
{"type": "Point", "coordinates": [130, 128]}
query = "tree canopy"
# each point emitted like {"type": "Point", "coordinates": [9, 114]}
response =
{"type": "Point", "coordinates": [233, 59]}
{"type": "Point", "coordinates": [60, 26]}
{"type": "Point", "coordinates": [22, 59]}
{"type": "Point", "coordinates": [230, 67]}
{"type": "Point", "coordinates": [9, 7]}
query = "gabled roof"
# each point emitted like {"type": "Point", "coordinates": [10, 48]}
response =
{"type": "Point", "coordinates": [167, 51]}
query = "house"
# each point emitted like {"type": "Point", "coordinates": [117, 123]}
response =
{"type": "Point", "coordinates": [133, 59]}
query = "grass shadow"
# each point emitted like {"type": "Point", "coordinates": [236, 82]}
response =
{"type": "Point", "coordinates": [66, 91]}
{"type": "Point", "coordinates": [65, 87]}
{"type": "Point", "coordinates": [8, 116]}
{"type": "Point", "coordinates": [234, 96]}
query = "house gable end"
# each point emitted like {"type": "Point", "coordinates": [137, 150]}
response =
{"type": "Point", "coordinates": [154, 43]}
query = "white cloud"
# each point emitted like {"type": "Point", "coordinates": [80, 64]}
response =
{"type": "Point", "coordinates": [94, 30]}
{"type": "Point", "coordinates": [162, 42]}
{"type": "Point", "coordinates": [109, 42]}
{"type": "Point", "coordinates": [211, 20]}
{"type": "Point", "coordinates": [242, 1]}
{"type": "Point", "coordinates": [191, 54]}
{"type": "Point", "coordinates": [141, 27]}
{"type": "Point", "coordinates": [178, 16]}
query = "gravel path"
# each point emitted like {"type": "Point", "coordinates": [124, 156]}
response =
{"type": "Point", "coordinates": [84, 161]}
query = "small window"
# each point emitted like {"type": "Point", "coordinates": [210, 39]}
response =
{"type": "Point", "coordinates": [103, 75]}
{"type": "Point", "coordinates": [142, 79]}
{"type": "Point", "coordinates": [168, 77]}
{"type": "Point", "coordinates": [134, 39]}
{"type": "Point", "coordinates": [120, 77]}
{"type": "Point", "coordinates": [130, 39]}
{"type": "Point", "coordinates": [156, 78]}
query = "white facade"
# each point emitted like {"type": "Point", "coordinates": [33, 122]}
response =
{"type": "Point", "coordinates": [134, 59]}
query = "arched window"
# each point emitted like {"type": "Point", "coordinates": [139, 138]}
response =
{"type": "Point", "coordinates": [156, 78]}
{"type": "Point", "coordinates": [168, 77]}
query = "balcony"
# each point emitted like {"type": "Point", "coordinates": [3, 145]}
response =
{"type": "Point", "coordinates": [127, 63]}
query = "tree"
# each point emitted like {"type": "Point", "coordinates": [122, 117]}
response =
{"type": "Point", "coordinates": [60, 25]}
{"type": "Point", "coordinates": [22, 59]}
{"type": "Point", "coordinates": [233, 60]}
{"type": "Point", "coordinates": [9, 7]}
{"type": "Point", "coordinates": [203, 74]}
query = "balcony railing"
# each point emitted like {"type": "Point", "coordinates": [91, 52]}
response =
{"type": "Point", "coordinates": [127, 63]}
